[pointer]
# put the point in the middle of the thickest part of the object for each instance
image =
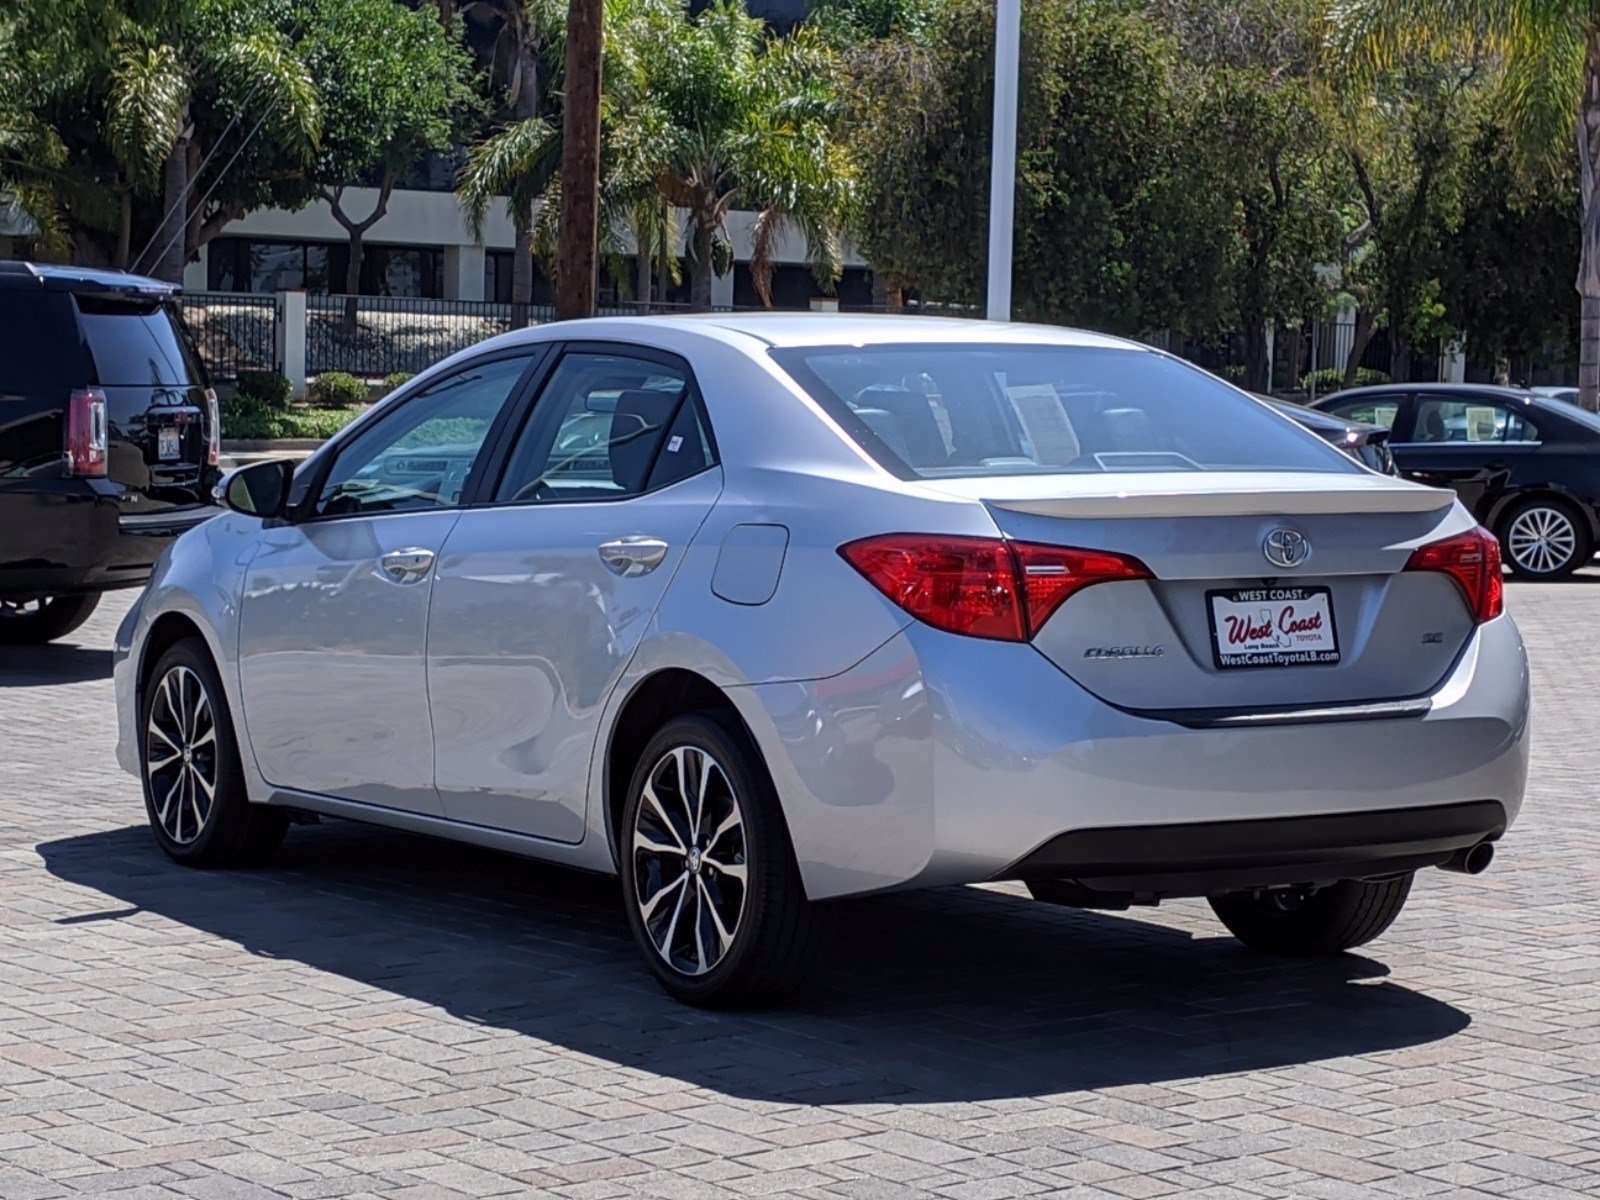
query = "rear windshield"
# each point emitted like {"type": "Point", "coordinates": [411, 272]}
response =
{"type": "Point", "coordinates": [942, 410]}
{"type": "Point", "coordinates": [137, 341]}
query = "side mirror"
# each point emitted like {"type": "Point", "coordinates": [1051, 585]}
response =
{"type": "Point", "coordinates": [259, 490]}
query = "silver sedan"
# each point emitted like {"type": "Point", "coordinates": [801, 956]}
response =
{"type": "Point", "coordinates": [764, 612]}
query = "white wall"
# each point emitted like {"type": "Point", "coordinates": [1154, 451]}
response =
{"type": "Point", "coordinates": [435, 219]}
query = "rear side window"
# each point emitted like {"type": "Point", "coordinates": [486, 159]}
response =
{"type": "Point", "coordinates": [137, 341]}
{"type": "Point", "coordinates": [607, 427]}
{"type": "Point", "coordinates": [984, 409]}
{"type": "Point", "coordinates": [39, 347]}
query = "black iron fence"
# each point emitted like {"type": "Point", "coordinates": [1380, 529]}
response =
{"type": "Point", "coordinates": [233, 331]}
{"type": "Point", "coordinates": [372, 336]}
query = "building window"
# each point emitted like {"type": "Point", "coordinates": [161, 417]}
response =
{"type": "Point", "coordinates": [251, 265]}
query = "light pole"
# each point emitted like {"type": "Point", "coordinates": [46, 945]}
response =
{"type": "Point", "coordinates": [1003, 168]}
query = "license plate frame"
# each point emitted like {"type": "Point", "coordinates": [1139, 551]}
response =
{"type": "Point", "coordinates": [169, 444]}
{"type": "Point", "coordinates": [1298, 619]}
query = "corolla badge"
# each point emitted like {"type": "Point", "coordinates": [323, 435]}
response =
{"type": "Point", "coordinates": [1286, 548]}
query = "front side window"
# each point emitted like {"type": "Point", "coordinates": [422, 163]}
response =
{"type": "Point", "coordinates": [1371, 410]}
{"type": "Point", "coordinates": [1470, 421]}
{"type": "Point", "coordinates": [606, 427]}
{"type": "Point", "coordinates": [421, 455]}
{"type": "Point", "coordinates": [986, 409]}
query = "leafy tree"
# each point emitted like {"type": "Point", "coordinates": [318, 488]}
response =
{"type": "Point", "coordinates": [1508, 263]}
{"type": "Point", "coordinates": [1114, 229]}
{"type": "Point", "coordinates": [1254, 112]}
{"type": "Point", "coordinates": [1549, 53]}
{"type": "Point", "coordinates": [167, 119]}
{"type": "Point", "coordinates": [395, 84]}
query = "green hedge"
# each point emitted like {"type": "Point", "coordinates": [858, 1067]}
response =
{"type": "Point", "coordinates": [396, 379]}
{"type": "Point", "coordinates": [1331, 379]}
{"type": "Point", "coordinates": [263, 389]}
{"type": "Point", "coordinates": [290, 423]}
{"type": "Point", "coordinates": [335, 389]}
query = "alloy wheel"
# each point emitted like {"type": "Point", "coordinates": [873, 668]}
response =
{"type": "Point", "coordinates": [689, 860]}
{"type": "Point", "coordinates": [181, 755]}
{"type": "Point", "coordinates": [1542, 540]}
{"type": "Point", "coordinates": [22, 610]}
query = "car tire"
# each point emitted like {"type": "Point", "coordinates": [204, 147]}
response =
{"type": "Point", "coordinates": [34, 622]}
{"type": "Point", "coordinates": [1545, 538]}
{"type": "Point", "coordinates": [1331, 919]}
{"type": "Point", "coordinates": [194, 788]}
{"type": "Point", "coordinates": [703, 838]}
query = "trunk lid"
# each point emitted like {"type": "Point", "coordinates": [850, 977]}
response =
{"type": "Point", "coordinates": [1166, 644]}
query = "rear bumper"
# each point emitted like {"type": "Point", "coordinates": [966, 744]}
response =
{"type": "Point", "coordinates": [943, 760]}
{"type": "Point", "coordinates": [72, 535]}
{"type": "Point", "coordinates": [1205, 857]}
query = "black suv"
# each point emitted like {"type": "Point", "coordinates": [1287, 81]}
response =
{"type": "Point", "coordinates": [108, 440]}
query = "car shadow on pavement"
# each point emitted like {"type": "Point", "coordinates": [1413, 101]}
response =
{"type": "Point", "coordinates": [963, 994]}
{"type": "Point", "coordinates": [45, 666]}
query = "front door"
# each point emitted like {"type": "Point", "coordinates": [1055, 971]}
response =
{"type": "Point", "coordinates": [333, 626]}
{"type": "Point", "coordinates": [541, 598]}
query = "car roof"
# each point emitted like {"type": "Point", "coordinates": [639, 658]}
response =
{"type": "Point", "coordinates": [777, 329]}
{"type": "Point", "coordinates": [1435, 389]}
{"type": "Point", "coordinates": [53, 277]}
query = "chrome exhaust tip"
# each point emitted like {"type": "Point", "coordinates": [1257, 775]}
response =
{"type": "Point", "coordinates": [1474, 860]}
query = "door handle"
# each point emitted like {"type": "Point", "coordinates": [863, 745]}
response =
{"type": "Point", "coordinates": [632, 556]}
{"type": "Point", "coordinates": [407, 566]}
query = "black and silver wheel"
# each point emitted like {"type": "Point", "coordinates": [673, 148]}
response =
{"type": "Point", "coordinates": [1312, 921]}
{"type": "Point", "coordinates": [714, 899]}
{"type": "Point", "coordinates": [194, 787]}
{"type": "Point", "coordinates": [40, 619]}
{"type": "Point", "coordinates": [1545, 539]}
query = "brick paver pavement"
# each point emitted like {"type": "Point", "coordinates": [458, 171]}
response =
{"type": "Point", "coordinates": [379, 1014]}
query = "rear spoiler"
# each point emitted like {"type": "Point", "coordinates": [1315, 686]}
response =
{"type": "Point", "coordinates": [1266, 502]}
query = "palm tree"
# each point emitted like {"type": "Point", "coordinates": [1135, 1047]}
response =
{"type": "Point", "coordinates": [1549, 54]}
{"type": "Point", "coordinates": [724, 116]}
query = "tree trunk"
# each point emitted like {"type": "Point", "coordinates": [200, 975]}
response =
{"type": "Point", "coordinates": [641, 287]}
{"type": "Point", "coordinates": [125, 230]}
{"type": "Point", "coordinates": [1358, 346]}
{"type": "Point", "coordinates": [169, 244]}
{"type": "Point", "coordinates": [1399, 356]}
{"type": "Point", "coordinates": [700, 269]}
{"type": "Point", "coordinates": [578, 258]}
{"type": "Point", "coordinates": [352, 279]}
{"type": "Point", "coordinates": [1255, 350]}
{"type": "Point", "coordinates": [1589, 266]}
{"type": "Point", "coordinates": [522, 274]}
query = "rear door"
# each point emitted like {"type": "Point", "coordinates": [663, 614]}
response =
{"type": "Point", "coordinates": [155, 392]}
{"type": "Point", "coordinates": [1468, 443]}
{"type": "Point", "coordinates": [543, 594]}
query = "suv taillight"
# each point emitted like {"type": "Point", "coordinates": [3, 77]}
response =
{"type": "Point", "coordinates": [982, 587]}
{"type": "Point", "coordinates": [86, 432]}
{"type": "Point", "coordinates": [213, 429]}
{"type": "Point", "coordinates": [1472, 559]}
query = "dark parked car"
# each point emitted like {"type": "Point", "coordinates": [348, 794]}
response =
{"type": "Point", "coordinates": [1367, 444]}
{"type": "Point", "coordinates": [1527, 465]}
{"type": "Point", "coordinates": [108, 440]}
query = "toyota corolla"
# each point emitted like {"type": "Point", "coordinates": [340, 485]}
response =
{"type": "Point", "coordinates": [764, 612]}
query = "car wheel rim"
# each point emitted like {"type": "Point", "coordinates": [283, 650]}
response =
{"type": "Point", "coordinates": [689, 860]}
{"type": "Point", "coordinates": [21, 610]}
{"type": "Point", "coordinates": [180, 755]}
{"type": "Point", "coordinates": [1542, 540]}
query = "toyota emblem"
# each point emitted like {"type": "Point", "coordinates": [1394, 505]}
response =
{"type": "Point", "coordinates": [1286, 548]}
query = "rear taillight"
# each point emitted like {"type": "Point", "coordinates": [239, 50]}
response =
{"type": "Point", "coordinates": [982, 587]}
{"type": "Point", "coordinates": [86, 432]}
{"type": "Point", "coordinates": [1472, 559]}
{"type": "Point", "coordinates": [213, 430]}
